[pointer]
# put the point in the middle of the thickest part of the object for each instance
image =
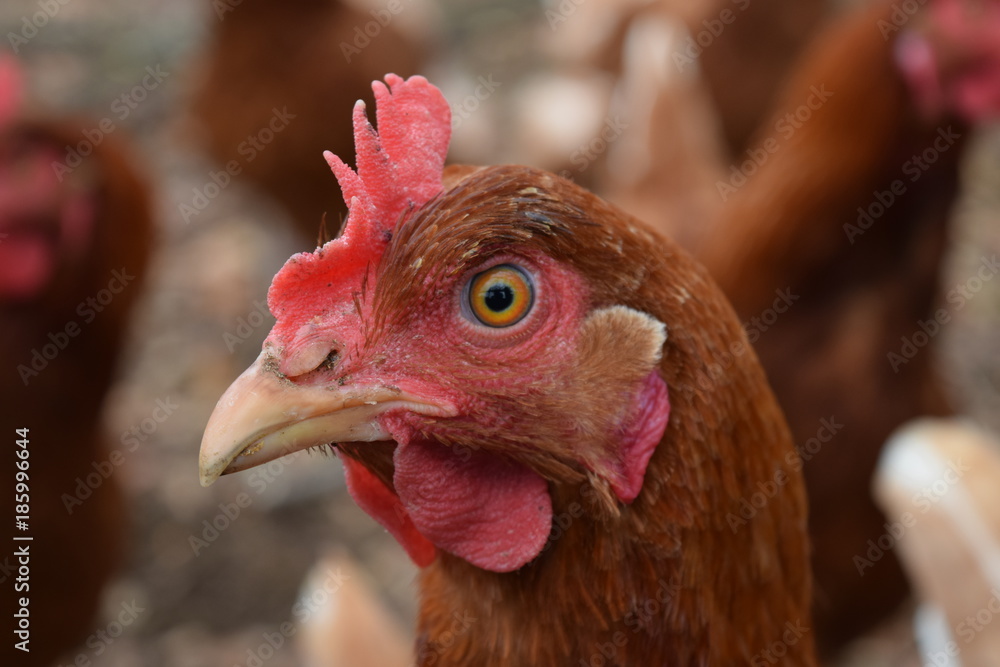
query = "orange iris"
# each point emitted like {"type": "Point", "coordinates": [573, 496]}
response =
{"type": "Point", "coordinates": [501, 296]}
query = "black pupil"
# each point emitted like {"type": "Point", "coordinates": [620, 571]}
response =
{"type": "Point", "coordinates": [499, 298]}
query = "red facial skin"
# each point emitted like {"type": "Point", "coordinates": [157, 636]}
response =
{"type": "Point", "coordinates": [464, 500]}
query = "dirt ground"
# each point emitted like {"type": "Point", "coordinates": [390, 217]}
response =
{"type": "Point", "coordinates": [209, 594]}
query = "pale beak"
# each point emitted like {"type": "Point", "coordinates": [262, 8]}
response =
{"type": "Point", "coordinates": [264, 416]}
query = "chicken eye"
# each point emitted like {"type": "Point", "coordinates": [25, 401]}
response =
{"type": "Point", "coordinates": [501, 296]}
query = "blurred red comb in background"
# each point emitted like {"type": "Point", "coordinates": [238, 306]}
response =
{"type": "Point", "coordinates": [11, 85]}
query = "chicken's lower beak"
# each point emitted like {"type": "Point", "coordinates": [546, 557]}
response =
{"type": "Point", "coordinates": [264, 416]}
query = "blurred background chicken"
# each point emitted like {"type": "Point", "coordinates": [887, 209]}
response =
{"type": "Point", "coordinates": [529, 82]}
{"type": "Point", "coordinates": [275, 74]}
{"type": "Point", "coordinates": [830, 244]}
{"type": "Point", "coordinates": [75, 240]}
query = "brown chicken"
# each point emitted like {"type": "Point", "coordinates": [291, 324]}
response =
{"type": "Point", "coordinates": [75, 235]}
{"type": "Point", "coordinates": [490, 351]}
{"type": "Point", "coordinates": [745, 49]}
{"type": "Point", "coordinates": [830, 246]}
{"type": "Point", "coordinates": [274, 75]}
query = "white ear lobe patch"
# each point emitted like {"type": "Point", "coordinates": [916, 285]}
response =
{"type": "Point", "coordinates": [627, 339]}
{"type": "Point", "coordinates": [620, 351]}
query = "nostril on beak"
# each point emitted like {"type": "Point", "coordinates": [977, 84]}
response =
{"type": "Point", "coordinates": [315, 355]}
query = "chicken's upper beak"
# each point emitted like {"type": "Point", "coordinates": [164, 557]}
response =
{"type": "Point", "coordinates": [264, 416]}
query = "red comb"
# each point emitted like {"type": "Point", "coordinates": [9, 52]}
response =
{"type": "Point", "coordinates": [399, 168]}
{"type": "Point", "coordinates": [11, 86]}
